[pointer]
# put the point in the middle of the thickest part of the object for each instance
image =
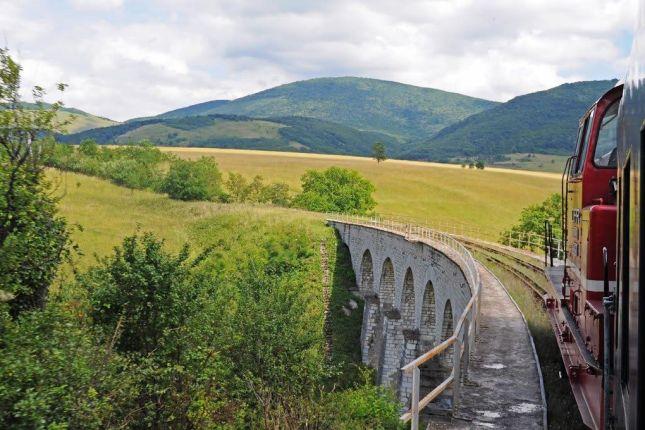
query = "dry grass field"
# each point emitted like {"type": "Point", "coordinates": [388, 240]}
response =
{"type": "Point", "coordinates": [487, 200]}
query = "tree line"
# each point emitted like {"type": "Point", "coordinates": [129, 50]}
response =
{"type": "Point", "coordinates": [144, 166]}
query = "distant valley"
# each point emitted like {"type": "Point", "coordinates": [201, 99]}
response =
{"type": "Point", "coordinates": [348, 115]}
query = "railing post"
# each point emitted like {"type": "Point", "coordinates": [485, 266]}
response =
{"type": "Point", "coordinates": [456, 373]}
{"type": "Point", "coordinates": [416, 385]}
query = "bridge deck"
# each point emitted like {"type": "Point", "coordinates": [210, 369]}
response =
{"type": "Point", "coordinates": [503, 389]}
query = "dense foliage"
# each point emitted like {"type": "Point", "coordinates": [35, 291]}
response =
{"type": "Point", "coordinates": [193, 180]}
{"type": "Point", "coordinates": [336, 190]}
{"type": "Point", "coordinates": [531, 222]}
{"type": "Point", "coordinates": [230, 131]}
{"type": "Point", "coordinates": [33, 239]}
{"type": "Point", "coordinates": [56, 373]}
{"type": "Point", "coordinates": [133, 166]}
{"type": "Point", "coordinates": [240, 190]}
{"type": "Point", "coordinates": [543, 122]}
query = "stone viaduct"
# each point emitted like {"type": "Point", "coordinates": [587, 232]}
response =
{"type": "Point", "coordinates": [414, 292]}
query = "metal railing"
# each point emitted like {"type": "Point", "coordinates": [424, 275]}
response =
{"type": "Point", "coordinates": [515, 239]}
{"type": "Point", "coordinates": [463, 336]}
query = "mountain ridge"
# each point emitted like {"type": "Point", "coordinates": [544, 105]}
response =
{"type": "Point", "coordinates": [400, 110]}
{"type": "Point", "coordinates": [539, 122]}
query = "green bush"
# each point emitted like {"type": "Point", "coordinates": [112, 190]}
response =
{"type": "Point", "coordinates": [54, 374]}
{"type": "Point", "coordinates": [241, 191]}
{"type": "Point", "coordinates": [133, 166]}
{"type": "Point", "coordinates": [148, 292]}
{"type": "Point", "coordinates": [335, 190]}
{"type": "Point", "coordinates": [193, 180]}
{"type": "Point", "coordinates": [532, 221]}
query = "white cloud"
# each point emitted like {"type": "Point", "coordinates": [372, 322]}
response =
{"type": "Point", "coordinates": [125, 59]}
{"type": "Point", "coordinates": [96, 4]}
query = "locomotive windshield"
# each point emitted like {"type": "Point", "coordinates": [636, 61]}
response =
{"type": "Point", "coordinates": [605, 155]}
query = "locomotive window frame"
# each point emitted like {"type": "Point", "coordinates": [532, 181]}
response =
{"type": "Point", "coordinates": [611, 105]}
{"type": "Point", "coordinates": [583, 145]}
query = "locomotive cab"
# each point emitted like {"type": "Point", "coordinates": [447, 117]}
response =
{"type": "Point", "coordinates": [588, 273]}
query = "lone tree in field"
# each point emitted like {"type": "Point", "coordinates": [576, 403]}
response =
{"type": "Point", "coordinates": [33, 238]}
{"type": "Point", "coordinates": [378, 152]}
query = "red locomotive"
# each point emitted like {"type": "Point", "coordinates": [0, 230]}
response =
{"type": "Point", "coordinates": [595, 305]}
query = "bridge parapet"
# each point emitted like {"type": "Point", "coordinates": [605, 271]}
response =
{"type": "Point", "coordinates": [415, 281]}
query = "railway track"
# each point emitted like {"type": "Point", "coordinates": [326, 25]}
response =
{"type": "Point", "coordinates": [494, 255]}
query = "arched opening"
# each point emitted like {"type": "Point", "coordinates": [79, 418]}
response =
{"type": "Point", "coordinates": [431, 371]}
{"type": "Point", "coordinates": [407, 303]}
{"type": "Point", "coordinates": [409, 346]}
{"type": "Point", "coordinates": [446, 332]}
{"type": "Point", "coordinates": [428, 319]}
{"type": "Point", "coordinates": [367, 273]}
{"type": "Point", "coordinates": [386, 286]}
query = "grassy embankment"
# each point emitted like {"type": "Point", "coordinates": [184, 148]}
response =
{"type": "Point", "coordinates": [487, 201]}
{"type": "Point", "coordinates": [108, 213]}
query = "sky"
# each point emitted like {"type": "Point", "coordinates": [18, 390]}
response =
{"type": "Point", "coordinates": [130, 58]}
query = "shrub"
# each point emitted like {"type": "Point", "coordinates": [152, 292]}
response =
{"type": "Point", "coordinates": [335, 190]}
{"type": "Point", "coordinates": [54, 374]}
{"type": "Point", "coordinates": [241, 191]}
{"type": "Point", "coordinates": [88, 148]}
{"type": "Point", "coordinates": [193, 180]}
{"type": "Point", "coordinates": [532, 220]}
{"type": "Point", "coordinates": [143, 289]}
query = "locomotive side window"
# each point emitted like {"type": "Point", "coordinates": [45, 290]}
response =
{"type": "Point", "coordinates": [584, 143]}
{"type": "Point", "coordinates": [605, 155]}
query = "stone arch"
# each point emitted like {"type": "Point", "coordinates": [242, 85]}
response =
{"type": "Point", "coordinates": [407, 302]}
{"type": "Point", "coordinates": [447, 329]}
{"type": "Point", "coordinates": [410, 344]}
{"type": "Point", "coordinates": [427, 325]}
{"type": "Point", "coordinates": [386, 286]}
{"type": "Point", "coordinates": [367, 273]}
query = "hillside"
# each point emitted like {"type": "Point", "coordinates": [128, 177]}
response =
{"type": "Point", "coordinates": [542, 122]}
{"type": "Point", "coordinates": [404, 111]}
{"type": "Point", "coordinates": [228, 131]}
{"type": "Point", "coordinates": [80, 121]}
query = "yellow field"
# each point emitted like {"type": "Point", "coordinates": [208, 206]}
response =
{"type": "Point", "coordinates": [487, 200]}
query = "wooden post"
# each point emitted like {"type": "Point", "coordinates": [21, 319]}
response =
{"type": "Point", "coordinates": [466, 350]}
{"type": "Point", "coordinates": [416, 385]}
{"type": "Point", "coordinates": [456, 371]}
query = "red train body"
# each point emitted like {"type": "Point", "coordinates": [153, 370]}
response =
{"type": "Point", "coordinates": [596, 306]}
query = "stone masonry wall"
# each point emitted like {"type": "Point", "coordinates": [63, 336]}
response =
{"type": "Point", "coordinates": [413, 295]}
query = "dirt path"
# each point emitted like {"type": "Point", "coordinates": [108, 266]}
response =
{"type": "Point", "coordinates": [503, 387]}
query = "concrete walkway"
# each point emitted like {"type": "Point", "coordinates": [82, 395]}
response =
{"type": "Point", "coordinates": [503, 386]}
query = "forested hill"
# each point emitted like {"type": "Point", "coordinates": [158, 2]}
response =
{"type": "Point", "coordinates": [541, 122]}
{"type": "Point", "coordinates": [230, 131]}
{"type": "Point", "coordinates": [401, 110]}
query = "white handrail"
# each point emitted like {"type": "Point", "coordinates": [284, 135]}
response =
{"type": "Point", "coordinates": [463, 342]}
